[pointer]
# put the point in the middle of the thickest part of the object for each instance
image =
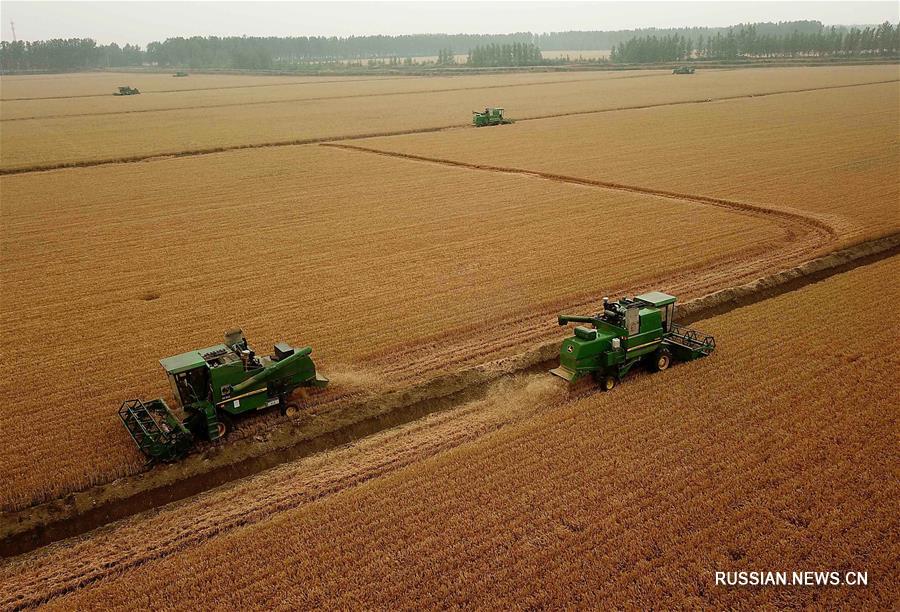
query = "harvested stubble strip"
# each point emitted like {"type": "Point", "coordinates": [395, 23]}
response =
{"type": "Point", "coordinates": [352, 254]}
{"type": "Point", "coordinates": [744, 460]}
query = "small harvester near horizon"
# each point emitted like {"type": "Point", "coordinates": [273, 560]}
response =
{"type": "Point", "coordinates": [127, 90]}
{"type": "Point", "coordinates": [213, 386]}
{"type": "Point", "coordinates": [683, 70]}
{"type": "Point", "coordinates": [628, 332]}
{"type": "Point", "coordinates": [491, 115]}
{"type": "Point", "coordinates": [180, 73]}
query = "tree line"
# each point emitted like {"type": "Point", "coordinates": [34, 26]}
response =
{"type": "Point", "coordinates": [523, 48]}
{"type": "Point", "coordinates": [748, 41]}
{"type": "Point", "coordinates": [515, 54]}
{"type": "Point", "coordinates": [63, 55]}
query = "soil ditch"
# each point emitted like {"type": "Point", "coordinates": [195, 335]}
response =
{"type": "Point", "coordinates": [79, 513]}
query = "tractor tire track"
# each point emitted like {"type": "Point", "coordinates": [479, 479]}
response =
{"type": "Point", "coordinates": [89, 163]}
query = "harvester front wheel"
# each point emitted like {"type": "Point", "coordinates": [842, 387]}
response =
{"type": "Point", "coordinates": [292, 410]}
{"type": "Point", "coordinates": [224, 426]}
{"type": "Point", "coordinates": [662, 360]}
{"type": "Point", "coordinates": [608, 383]}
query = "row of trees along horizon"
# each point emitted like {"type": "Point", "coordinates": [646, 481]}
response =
{"type": "Point", "coordinates": [758, 40]}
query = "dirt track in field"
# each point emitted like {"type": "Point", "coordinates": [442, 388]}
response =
{"type": "Point", "coordinates": [324, 139]}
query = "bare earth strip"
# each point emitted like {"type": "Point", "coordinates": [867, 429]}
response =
{"type": "Point", "coordinates": [629, 498]}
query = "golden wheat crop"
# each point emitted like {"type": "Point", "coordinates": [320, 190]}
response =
{"type": "Point", "coordinates": [106, 270]}
{"type": "Point", "coordinates": [834, 154]}
{"type": "Point", "coordinates": [80, 84]}
{"type": "Point", "coordinates": [77, 139]}
{"type": "Point", "coordinates": [223, 92]}
{"type": "Point", "coordinates": [775, 453]}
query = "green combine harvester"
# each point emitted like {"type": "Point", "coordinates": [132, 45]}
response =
{"type": "Point", "coordinates": [127, 90]}
{"type": "Point", "coordinates": [180, 73]}
{"type": "Point", "coordinates": [490, 116]}
{"type": "Point", "coordinates": [624, 334]}
{"type": "Point", "coordinates": [213, 386]}
{"type": "Point", "coordinates": [683, 70]}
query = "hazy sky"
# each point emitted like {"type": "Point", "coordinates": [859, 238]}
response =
{"type": "Point", "coordinates": [142, 22]}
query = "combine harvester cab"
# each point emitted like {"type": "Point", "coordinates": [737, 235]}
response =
{"type": "Point", "coordinates": [624, 334]}
{"type": "Point", "coordinates": [491, 116]}
{"type": "Point", "coordinates": [213, 386]}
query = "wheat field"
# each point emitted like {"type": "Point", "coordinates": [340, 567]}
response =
{"type": "Point", "coordinates": [532, 498]}
{"type": "Point", "coordinates": [92, 138]}
{"type": "Point", "coordinates": [830, 154]}
{"type": "Point", "coordinates": [362, 258]}
{"type": "Point", "coordinates": [405, 258]}
{"type": "Point", "coordinates": [433, 266]}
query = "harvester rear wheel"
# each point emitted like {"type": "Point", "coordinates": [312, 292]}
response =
{"type": "Point", "coordinates": [608, 383]}
{"type": "Point", "coordinates": [292, 410]}
{"type": "Point", "coordinates": [662, 359]}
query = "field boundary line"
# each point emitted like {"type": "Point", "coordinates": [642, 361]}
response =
{"type": "Point", "coordinates": [447, 391]}
{"type": "Point", "coordinates": [89, 163]}
{"type": "Point", "coordinates": [344, 80]}
{"type": "Point", "coordinates": [313, 99]}
{"type": "Point", "coordinates": [166, 91]}
{"type": "Point", "coordinates": [808, 220]}
{"type": "Point", "coordinates": [708, 100]}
